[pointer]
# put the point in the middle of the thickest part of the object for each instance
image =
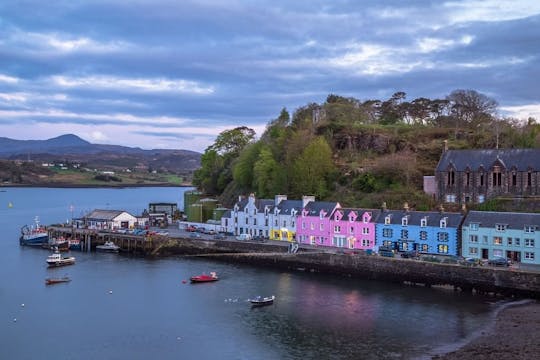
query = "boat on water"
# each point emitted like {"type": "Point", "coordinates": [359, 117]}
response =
{"type": "Point", "coordinates": [57, 259]}
{"type": "Point", "coordinates": [60, 244]}
{"type": "Point", "coordinates": [262, 301]}
{"type": "Point", "coordinates": [109, 246]}
{"type": "Point", "coordinates": [204, 278]}
{"type": "Point", "coordinates": [52, 281]}
{"type": "Point", "coordinates": [74, 244]}
{"type": "Point", "coordinates": [35, 235]}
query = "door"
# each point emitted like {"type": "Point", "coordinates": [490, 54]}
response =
{"type": "Point", "coordinates": [485, 253]}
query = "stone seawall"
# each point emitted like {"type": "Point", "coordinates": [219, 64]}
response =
{"type": "Point", "coordinates": [503, 281]}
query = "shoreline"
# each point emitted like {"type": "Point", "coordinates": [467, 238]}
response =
{"type": "Point", "coordinates": [511, 333]}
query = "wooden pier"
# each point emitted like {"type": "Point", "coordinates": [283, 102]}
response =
{"type": "Point", "coordinates": [90, 238]}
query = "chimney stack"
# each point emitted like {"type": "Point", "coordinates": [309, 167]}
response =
{"type": "Point", "coordinates": [383, 206]}
{"type": "Point", "coordinates": [406, 207]}
{"type": "Point", "coordinates": [445, 146]}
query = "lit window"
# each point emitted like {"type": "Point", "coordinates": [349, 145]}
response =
{"type": "Point", "coordinates": [473, 251]}
{"type": "Point", "coordinates": [497, 240]}
{"type": "Point", "coordinates": [442, 249]}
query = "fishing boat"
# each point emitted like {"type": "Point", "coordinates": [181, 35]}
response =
{"type": "Point", "coordinates": [74, 244]}
{"type": "Point", "coordinates": [52, 281]}
{"type": "Point", "coordinates": [57, 259]}
{"type": "Point", "coordinates": [262, 301]}
{"type": "Point", "coordinates": [35, 235]}
{"type": "Point", "coordinates": [109, 246]}
{"type": "Point", "coordinates": [204, 278]}
{"type": "Point", "coordinates": [59, 244]}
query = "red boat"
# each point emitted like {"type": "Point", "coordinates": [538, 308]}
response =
{"type": "Point", "coordinates": [204, 278]}
{"type": "Point", "coordinates": [51, 281]}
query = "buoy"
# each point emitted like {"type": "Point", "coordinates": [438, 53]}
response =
{"type": "Point", "coordinates": [15, 320]}
{"type": "Point", "coordinates": [110, 291]}
{"type": "Point", "coordinates": [22, 304]}
{"type": "Point", "coordinates": [184, 281]}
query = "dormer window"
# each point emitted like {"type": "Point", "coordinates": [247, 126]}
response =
{"type": "Point", "coordinates": [266, 211]}
{"type": "Point", "coordinates": [500, 227]}
{"type": "Point", "coordinates": [423, 222]}
{"type": "Point", "coordinates": [404, 221]}
{"type": "Point", "coordinates": [387, 220]}
{"type": "Point", "coordinates": [365, 219]}
{"type": "Point", "coordinates": [529, 228]}
{"type": "Point", "coordinates": [443, 223]}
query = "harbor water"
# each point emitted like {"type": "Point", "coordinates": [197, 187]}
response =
{"type": "Point", "coordinates": [126, 307]}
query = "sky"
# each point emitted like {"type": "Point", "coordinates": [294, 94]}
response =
{"type": "Point", "coordinates": [173, 74]}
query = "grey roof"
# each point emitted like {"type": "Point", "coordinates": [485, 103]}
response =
{"type": "Point", "coordinates": [285, 206]}
{"type": "Point", "coordinates": [415, 217]}
{"type": "Point", "coordinates": [513, 220]}
{"type": "Point", "coordinates": [315, 207]}
{"type": "Point", "coordinates": [260, 204]}
{"type": "Point", "coordinates": [99, 214]}
{"type": "Point", "coordinates": [359, 212]}
{"type": "Point", "coordinates": [522, 159]}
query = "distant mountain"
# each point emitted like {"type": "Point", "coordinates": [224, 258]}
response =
{"type": "Point", "coordinates": [72, 148]}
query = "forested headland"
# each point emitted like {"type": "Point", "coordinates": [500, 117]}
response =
{"type": "Point", "coordinates": [360, 153]}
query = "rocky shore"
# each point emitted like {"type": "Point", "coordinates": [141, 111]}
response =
{"type": "Point", "coordinates": [514, 334]}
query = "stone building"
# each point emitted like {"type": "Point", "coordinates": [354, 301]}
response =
{"type": "Point", "coordinates": [474, 176]}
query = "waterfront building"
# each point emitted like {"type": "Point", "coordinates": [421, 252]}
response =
{"type": "Point", "coordinates": [474, 176]}
{"type": "Point", "coordinates": [352, 228]}
{"type": "Point", "coordinates": [283, 219]}
{"type": "Point", "coordinates": [107, 220]}
{"type": "Point", "coordinates": [514, 236]}
{"type": "Point", "coordinates": [249, 216]}
{"type": "Point", "coordinates": [428, 232]}
{"type": "Point", "coordinates": [313, 224]}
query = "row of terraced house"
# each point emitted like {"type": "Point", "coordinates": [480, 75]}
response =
{"type": "Point", "coordinates": [476, 234]}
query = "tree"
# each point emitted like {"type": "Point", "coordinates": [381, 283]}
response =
{"type": "Point", "coordinates": [269, 177]}
{"type": "Point", "coordinates": [471, 108]}
{"type": "Point", "coordinates": [231, 142]}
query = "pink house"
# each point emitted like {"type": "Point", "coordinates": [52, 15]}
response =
{"type": "Point", "coordinates": [313, 223]}
{"type": "Point", "coordinates": [352, 229]}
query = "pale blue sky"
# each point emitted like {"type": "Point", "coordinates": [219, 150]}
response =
{"type": "Point", "coordinates": [173, 74]}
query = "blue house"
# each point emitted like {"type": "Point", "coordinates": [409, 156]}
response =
{"type": "Point", "coordinates": [428, 232]}
{"type": "Point", "coordinates": [514, 236]}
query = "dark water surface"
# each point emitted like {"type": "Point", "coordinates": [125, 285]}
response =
{"type": "Point", "coordinates": [121, 307]}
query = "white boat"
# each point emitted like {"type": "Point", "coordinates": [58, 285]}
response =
{"type": "Point", "coordinates": [109, 246]}
{"type": "Point", "coordinates": [57, 259]}
{"type": "Point", "coordinates": [34, 235]}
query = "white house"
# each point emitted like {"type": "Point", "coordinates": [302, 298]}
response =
{"type": "Point", "coordinates": [109, 220]}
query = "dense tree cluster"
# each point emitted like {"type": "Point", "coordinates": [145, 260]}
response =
{"type": "Point", "coordinates": [358, 152]}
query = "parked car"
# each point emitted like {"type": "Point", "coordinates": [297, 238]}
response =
{"type": "Point", "coordinates": [499, 261]}
{"type": "Point", "coordinates": [243, 237]}
{"type": "Point", "coordinates": [259, 238]}
{"type": "Point", "coordinates": [219, 236]}
{"type": "Point", "coordinates": [195, 235]}
{"type": "Point", "coordinates": [191, 228]}
{"type": "Point", "coordinates": [411, 254]}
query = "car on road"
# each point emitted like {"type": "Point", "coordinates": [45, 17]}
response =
{"type": "Point", "coordinates": [411, 254]}
{"type": "Point", "coordinates": [219, 236]}
{"type": "Point", "coordinates": [499, 261]}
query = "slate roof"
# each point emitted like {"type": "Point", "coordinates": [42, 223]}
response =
{"type": "Point", "coordinates": [285, 206]}
{"type": "Point", "coordinates": [314, 207]}
{"type": "Point", "coordinates": [513, 220]}
{"type": "Point", "coordinates": [522, 159]}
{"type": "Point", "coordinates": [415, 217]}
{"type": "Point", "coordinates": [103, 214]}
{"type": "Point", "coordinates": [260, 204]}
{"type": "Point", "coordinates": [359, 212]}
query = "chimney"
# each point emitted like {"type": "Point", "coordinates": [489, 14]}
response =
{"type": "Point", "coordinates": [406, 207]}
{"type": "Point", "coordinates": [464, 209]}
{"type": "Point", "coordinates": [240, 198]}
{"type": "Point", "coordinates": [445, 146]}
{"type": "Point", "coordinates": [383, 206]}
{"type": "Point", "coordinates": [306, 199]}
{"type": "Point", "coordinates": [279, 198]}
{"type": "Point", "coordinates": [251, 198]}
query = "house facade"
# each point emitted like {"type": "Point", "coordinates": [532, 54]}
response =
{"type": "Point", "coordinates": [352, 228]}
{"type": "Point", "coordinates": [428, 232]}
{"type": "Point", "coordinates": [284, 217]}
{"type": "Point", "coordinates": [249, 216]}
{"type": "Point", "coordinates": [313, 224]}
{"type": "Point", "coordinates": [514, 236]}
{"type": "Point", "coordinates": [474, 176]}
{"type": "Point", "coordinates": [108, 220]}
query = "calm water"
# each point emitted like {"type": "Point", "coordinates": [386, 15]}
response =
{"type": "Point", "coordinates": [120, 307]}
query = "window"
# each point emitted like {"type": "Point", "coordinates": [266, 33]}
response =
{"type": "Point", "coordinates": [481, 199]}
{"type": "Point", "coordinates": [517, 242]}
{"type": "Point", "coordinates": [442, 249]}
{"type": "Point", "coordinates": [387, 243]}
{"type": "Point", "coordinates": [443, 223]}
{"type": "Point", "coordinates": [473, 251]}
{"type": "Point", "coordinates": [303, 225]}
{"type": "Point", "coordinates": [473, 226]}
{"type": "Point", "coordinates": [450, 198]}
{"type": "Point", "coordinates": [365, 231]}
{"type": "Point", "coordinates": [266, 222]}
{"type": "Point", "coordinates": [509, 241]}
{"type": "Point", "coordinates": [497, 240]}
{"type": "Point", "coordinates": [387, 232]}
{"type": "Point", "coordinates": [481, 179]}
{"type": "Point", "coordinates": [451, 178]}
{"type": "Point", "coordinates": [255, 221]}
{"type": "Point", "coordinates": [365, 242]}
{"type": "Point", "coordinates": [321, 226]}
{"type": "Point", "coordinates": [404, 234]}
{"type": "Point", "coordinates": [337, 229]}
{"type": "Point", "coordinates": [351, 230]}
{"type": "Point", "coordinates": [500, 227]}
{"type": "Point", "coordinates": [387, 220]}
{"type": "Point", "coordinates": [275, 223]}
{"type": "Point", "coordinates": [442, 236]}
{"type": "Point", "coordinates": [284, 223]}
{"type": "Point", "coordinates": [366, 219]}
{"type": "Point", "coordinates": [514, 179]}
{"type": "Point", "coordinates": [423, 235]}
{"type": "Point", "coordinates": [529, 242]}
{"type": "Point", "coordinates": [293, 224]}
{"type": "Point", "coordinates": [247, 221]}
{"type": "Point", "coordinates": [312, 226]}
{"type": "Point", "coordinates": [473, 238]}
{"type": "Point", "coordinates": [497, 253]}
{"type": "Point", "coordinates": [467, 179]}
{"type": "Point", "coordinates": [529, 255]}
{"type": "Point", "coordinates": [404, 221]}
{"type": "Point", "coordinates": [423, 222]}
{"type": "Point", "coordinates": [497, 177]}
{"type": "Point", "coordinates": [529, 229]}
{"type": "Point", "coordinates": [424, 248]}
{"type": "Point", "coordinates": [529, 179]}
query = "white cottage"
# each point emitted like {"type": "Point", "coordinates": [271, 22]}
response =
{"type": "Point", "coordinates": [109, 220]}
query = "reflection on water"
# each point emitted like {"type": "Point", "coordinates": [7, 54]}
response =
{"type": "Point", "coordinates": [119, 307]}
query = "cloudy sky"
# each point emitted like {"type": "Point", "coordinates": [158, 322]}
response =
{"type": "Point", "coordinates": [173, 74]}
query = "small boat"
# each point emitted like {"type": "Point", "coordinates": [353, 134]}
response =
{"type": "Point", "coordinates": [59, 244]}
{"type": "Point", "coordinates": [109, 246]}
{"type": "Point", "coordinates": [262, 301]}
{"type": "Point", "coordinates": [51, 281]}
{"type": "Point", "coordinates": [74, 244]}
{"type": "Point", "coordinates": [57, 259]}
{"type": "Point", "coordinates": [204, 278]}
{"type": "Point", "coordinates": [35, 235]}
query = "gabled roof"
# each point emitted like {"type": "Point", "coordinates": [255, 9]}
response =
{"type": "Point", "coordinates": [285, 206]}
{"type": "Point", "coordinates": [104, 214]}
{"type": "Point", "coordinates": [513, 220]}
{"type": "Point", "coordinates": [414, 217]}
{"type": "Point", "coordinates": [359, 213]}
{"type": "Point", "coordinates": [260, 204]}
{"type": "Point", "coordinates": [314, 207]}
{"type": "Point", "coordinates": [522, 159]}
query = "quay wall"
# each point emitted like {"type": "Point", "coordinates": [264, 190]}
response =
{"type": "Point", "coordinates": [504, 281]}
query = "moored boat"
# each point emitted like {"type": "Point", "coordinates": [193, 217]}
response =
{"type": "Point", "coordinates": [57, 259]}
{"type": "Point", "coordinates": [74, 244]}
{"type": "Point", "coordinates": [204, 278]}
{"type": "Point", "coordinates": [109, 246]}
{"type": "Point", "coordinates": [262, 301]}
{"type": "Point", "coordinates": [51, 281]}
{"type": "Point", "coordinates": [35, 235]}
